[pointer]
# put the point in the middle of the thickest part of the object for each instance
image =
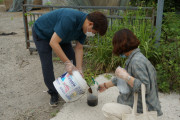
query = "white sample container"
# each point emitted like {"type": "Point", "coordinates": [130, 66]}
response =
{"type": "Point", "coordinates": [70, 87]}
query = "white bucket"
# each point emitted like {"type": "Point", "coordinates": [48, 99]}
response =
{"type": "Point", "coordinates": [70, 87]}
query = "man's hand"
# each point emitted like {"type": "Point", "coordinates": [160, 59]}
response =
{"type": "Point", "coordinates": [69, 67]}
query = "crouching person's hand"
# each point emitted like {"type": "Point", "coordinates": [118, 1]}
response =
{"type": "Point", "coordinates": [102, 87]}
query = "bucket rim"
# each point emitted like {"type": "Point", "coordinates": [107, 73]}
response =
{"type": "Point", "coordinates": [78, 77]}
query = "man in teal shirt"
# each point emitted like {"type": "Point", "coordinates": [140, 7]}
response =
{"type": "Point", "coordinates": [55, 30]}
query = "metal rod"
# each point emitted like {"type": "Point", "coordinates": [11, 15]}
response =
{"type": "Point", "coordinates": [159, 20]}
{"type": "Point", "coordinates": [92, 7]}
{"type": "Point", "coordinates": [26, 27]}
{"type": "Point", "coordinates": [31, 20]}
{"type": "Point", "coordinates": [34, 18]}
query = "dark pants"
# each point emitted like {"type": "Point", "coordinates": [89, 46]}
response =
{"type": "Point", "coordinates": [45, 53]}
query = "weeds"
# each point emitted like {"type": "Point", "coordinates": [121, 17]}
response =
{"type": "Point", "coordinates": [165, 58]}
{"type": "Point", "coordinates": [100, 58]}
{"type": "Point", "coordinates": [53, 114]}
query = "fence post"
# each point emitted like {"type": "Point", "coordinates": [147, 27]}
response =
{"type": "Point", "coordinates": [159, 20]}
{"type": "Point", "coordinates": [26, 27]}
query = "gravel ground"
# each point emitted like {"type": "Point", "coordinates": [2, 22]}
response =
{"type": "Point", "coordinates": [21, 80]}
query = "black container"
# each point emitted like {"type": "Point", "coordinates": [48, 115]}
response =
{"type": "Point", "coordinates": [92, 98]}
{"type": "Point", "coordinates": [92, 102]}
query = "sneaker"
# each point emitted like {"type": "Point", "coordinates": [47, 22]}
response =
{"type": "Point", "coordinates": [54, 100]}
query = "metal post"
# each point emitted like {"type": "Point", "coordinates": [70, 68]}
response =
{"type": "Point", "coordinates": [159, 19]}
{"type": "Point", "coordinates": [26, 27]}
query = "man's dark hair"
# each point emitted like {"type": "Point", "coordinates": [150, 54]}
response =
{"type": "Point", "coordinates": [124, 41]}
{"type": "Point", "coordinates": [100, 22]}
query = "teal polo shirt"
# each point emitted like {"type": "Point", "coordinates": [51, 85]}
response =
{"type": "Point", "coordinates": [66, 22]}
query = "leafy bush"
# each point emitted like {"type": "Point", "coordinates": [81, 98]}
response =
{"type": "Point", "coordinates": [1, 1]}
{"type": "Point", "coordinates": [169, 5]}
{"type": "Point", "coordinates": [101, 59]}
{"type": "Point", "coordinates": [165, 58]}
{"type": "Point", "coordinates": [170, 27]}
{"type": "Point", "coordinates": [168, 65]}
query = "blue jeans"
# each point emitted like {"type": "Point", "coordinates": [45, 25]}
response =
{"type": "Point", "coordinates": [45, 54]}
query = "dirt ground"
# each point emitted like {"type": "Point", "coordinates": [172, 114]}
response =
{"type": "Point", "coordinates": [21, 80]}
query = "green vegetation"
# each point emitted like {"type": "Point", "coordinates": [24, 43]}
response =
{"type": "Point", "coordinates": [168, 65]}
{"type": "Point", "coordinates": [53, 114]}
{"type": "Point", "coordinates": [48, 3]}
{"type": "Point", "coordinates": [169, 5]}
{"type": "Point", "coordinates": [108, 76]}
{"type": "Point", "coordinates": [99, 59]}
{"type": "Point", "coordinates": [1, 1]}
{"type": "Point", "coordinates": [88, 75]}
{"type": "Point", "coordinates": [56, 59]}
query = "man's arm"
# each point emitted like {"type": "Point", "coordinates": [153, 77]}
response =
{"type": "Point", "coordinates": [54, 43]}
{"type": "Point", "coordinates": [79, 55]}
